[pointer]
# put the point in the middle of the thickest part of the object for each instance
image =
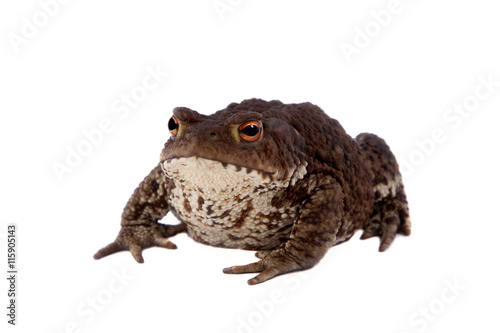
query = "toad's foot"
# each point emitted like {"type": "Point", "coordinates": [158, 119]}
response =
{"type": "Point", "coordinates": [389, 217]}
{"type": "Point", "coordinates": [275, 263]}
{"type": "Point", "coordinates": [136, 238]}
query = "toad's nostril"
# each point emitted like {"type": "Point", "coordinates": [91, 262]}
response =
{"type": "Point", "coordinates": [213, 134]}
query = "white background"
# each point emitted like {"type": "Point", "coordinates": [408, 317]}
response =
{"type": "Point", "coordinates": [70, 74]}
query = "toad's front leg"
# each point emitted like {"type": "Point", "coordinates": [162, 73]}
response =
{"type": "Point", "coordinates": [314, 232]}
{"type": "Point", "coordinates": [140, 228]}
{"type": "Point", "coordinates": [135, 238]}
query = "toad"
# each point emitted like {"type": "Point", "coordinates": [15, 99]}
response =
{"type": "Point", "coordinates": [284, 180]}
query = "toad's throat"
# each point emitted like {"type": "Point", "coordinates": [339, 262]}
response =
{"type": "Point", "coordinates": [207, 189]}
{"type": "Point", "coordinates": [216, 177]}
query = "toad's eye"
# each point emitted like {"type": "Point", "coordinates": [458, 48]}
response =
{"type": "Point", "coordinates": [250, 131]}
{"type": "Point", "coordinates": [173, 126]}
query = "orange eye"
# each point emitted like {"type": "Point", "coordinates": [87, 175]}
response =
{"type": "Point", "coordinates": [250, 131]}
{"type": "Point", "coordinates": [173, 126]}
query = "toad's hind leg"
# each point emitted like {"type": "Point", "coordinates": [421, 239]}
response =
{"type": "Point", "coordinates": [390, 214]}
{"type": "Point", "coordinates": [390, 217]}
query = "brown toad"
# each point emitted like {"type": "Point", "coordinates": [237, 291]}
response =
{"type": "Point", "coordinates": [281, 179]}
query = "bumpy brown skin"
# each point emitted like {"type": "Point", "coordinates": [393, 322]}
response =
{"type": "Point", "coordinates": [349, 185]}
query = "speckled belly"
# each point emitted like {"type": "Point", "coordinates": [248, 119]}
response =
{"type": "Point", "coordinates": [248, 222]}
{"type": "Point", "coordinates": [226, 206]}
